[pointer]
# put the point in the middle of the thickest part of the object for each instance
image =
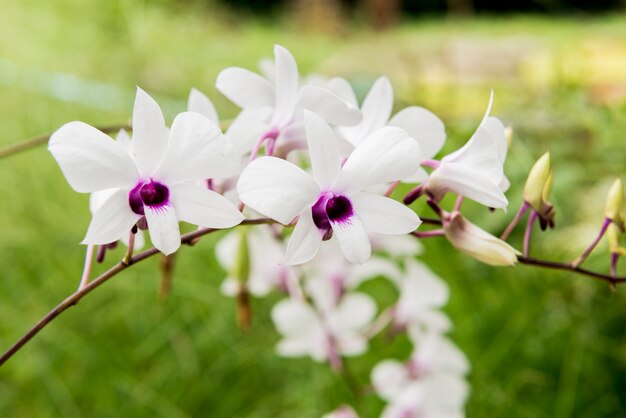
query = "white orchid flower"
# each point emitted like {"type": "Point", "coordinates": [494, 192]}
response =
{"type": "Point", "coordinates": [422, 293]}
{"type": "Point", "coordinates": [421, 124]}
{"type": "Point", "coordinates": [332, 201]}
{"type": "Point", "coordinates": [272, 109]}
{"type": "Point", "coordinates": [324, 336]}
{"type": "Point", "coordinates": [266, 271]}
{"type": "Point", "coordinates": [475, 170]}
{"type": "Point", "coordinates": [154, 182]}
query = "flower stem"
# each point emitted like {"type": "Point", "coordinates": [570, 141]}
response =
{"type": "Point", "coordinates": [528, 232]}
{"type": "Point", "coordinates": [428, 234]}
{"type": "Point", "coordinates": [128, 258]}
{"type": "Point", "coordinates": [518, 217]}
{"type": "Point", "coordinates": [87, 269]}
{"type": "Point", "coordinates": [391, 188]}
{"type": "Point", "coordinates": [167, 268]}
{"type": "Point", "coordinates": [581, 258]}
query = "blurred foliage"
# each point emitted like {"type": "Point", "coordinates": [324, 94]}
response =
{"type": "Point", "coordinates": [542, 344]}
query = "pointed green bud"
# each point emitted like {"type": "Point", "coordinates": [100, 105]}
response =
{"type": "Point", "coordinates": [613, 237]}
{"type": "Point", "coordinates": [538, 178]}
{"type": "Point", "coordinates": [614, 201]}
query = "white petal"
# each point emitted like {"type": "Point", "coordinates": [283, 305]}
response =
{"type": "Point", "coordinates": [245, 88]}
{"type": "Point", "coordinates": [383, 215]}
{"type": "Point", "coordinates": [374, 267]}
{"type": "Point", "coordinates": [163, 226]}
{"type": "Point", "coordinates": [305, 240]}
{"type": "Point", "coordinates": [389, 378]}
{"type": "Point", "coordinates": [229, 287]}
{"type": "Point", "coordinates": [91, 160]}
{"type": "Point", "coordinates": [112, 220]}
{"type": "Point", "coordinates": [323, 149]}
{"type": "Point", "coordinates": [330, 107]}
{"type": "Point", "coordinates": [466, 181]}
{"type": "Point", "coordinates": [149, 133]}
{"type": "Point", "coordinates": [140, 240]}
{"type": "Point", "coordinates": [423, 287]}
{"type": "Point", "coordinates": [423, 126]}
{"type": "Point", "coordinates": [286, 85]}
{"type": "Point", "coordinates": [292, 317]}
{"type": "Point", "coordinates": [387, 155]}
{"type": "Point", "coordinates": [355, 312]}
{"type": "Point", "coordinates": [248, 127]}
{"type": "Point", "coordinates": [198, 102]}
{"type": "Point", "coordinates": [276, 188]}
{"type": "Point", "coordinates": [124, 140]}
{"type": "Point", "coordinates": [342, 88]}
{"type": "Point", "coordinates": [197, 150]}
{"type": "Point", "coordinates": [376, 110]}
{"type": "Point", "coordinates": [353, 240]}
{"type": "Point", "coordinates": [203, 207]}
{"type": "Point", "coordinates": [226, 250]}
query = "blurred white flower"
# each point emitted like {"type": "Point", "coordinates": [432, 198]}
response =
{"type": "Point", "coordinates": [266, 271]}
{"type": "Point", "coordinates": [324, 335]}
{"type": "Point", "coordinates": [154, 182]}
{"type": "Point", "coordinates": [272, 109]}
{"type": "Point", "coordinates": [343, 411]}
{"type": "Point", "coordinates": [332, 201]}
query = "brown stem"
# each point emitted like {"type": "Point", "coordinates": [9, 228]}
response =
{"type": "Point", "coordinates": [167, 270]}
{"type": "Point", "coordinates": [104, 277]}
{"type": "Point", "coordinates": [43, 139]}
{"type": "Point", "coordinates": [569, 267]}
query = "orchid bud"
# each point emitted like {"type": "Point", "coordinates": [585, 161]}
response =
{"type": "Point", "coordinates": [478, 243]}
{"type": "Point", "coordinates": [614, 201]}
{"type": "Point", "coordinates": [538, 183]}
{"type": "Point", "coordinates": [613, 236]}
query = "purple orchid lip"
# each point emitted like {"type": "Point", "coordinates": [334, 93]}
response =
{"type": "Point", "coordinates": [148, 193]}
{"type": "Point", "coordinates": [331, 208]}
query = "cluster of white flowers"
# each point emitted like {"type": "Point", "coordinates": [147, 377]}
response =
{"type": "Point", "coordinates": [307, 156]}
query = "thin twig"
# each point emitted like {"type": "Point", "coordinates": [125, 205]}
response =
{"type": "Point", "coordinates": [569, 267]}
{"type": "Point", "coordinates": [43, 139]}
{"type": "Point", "coordinates": [75, 297]}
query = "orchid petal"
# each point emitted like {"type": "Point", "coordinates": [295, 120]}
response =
{"type": "Point", "coordinates": [305, 240]}
{"type": "Point", "coordinates": [387, 155]}
{"type": "Point", "coordinates": [91, 160]}
{"type": "Point", "coordinates": [423, 126]}
{"type": "Point", "coordinates": [149, 133]}
{"type": "Point", "coordinates": [330, 107]}
{"type": "Point", "coordinates": [198, 102]}
{"type": "Point", "coordinates": [323, 149]}
{"type": "Point", "coordinates": [248, 127]}
{"type": "Point", "coordinates": [276, 188]}
{"type": "Point", "coordinates": [355, 312]}
{"type": "Point", "coordinates": [164, 229]}
{"type": "Point", "coordinates": [286, 85]}
{"type": "Point", "coordinates": [124, 140]}
{"type": "Point", "coordinates": [342, 88]}
{"type": "Point", "coordinates": [203, 207]}
{"type": "Point", "coordinates": [353, 239]}
{"type": "Point", "coordinates": [384, 215]}
{"type": "Point", "coordinates": [389, 378]}
{"type": "Point", "coordinates": [112, 220]}
{"type": "Point", "coordinates": [197, 150]}
{"type": "Point", "coordinates": [245, 88]}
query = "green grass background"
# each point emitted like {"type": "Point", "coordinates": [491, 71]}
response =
{"type": "Point", "coordinates": [541, 344]}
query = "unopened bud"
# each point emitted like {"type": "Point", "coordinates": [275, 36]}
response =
{"type": "Point", "coordinates": [613, 236]}
{"type": "Point", "coordinates": [478, 243]}
{"type": "Point", "coordinates": [614, 201]}
{"type": "Point", "coordinates": [538, 178]}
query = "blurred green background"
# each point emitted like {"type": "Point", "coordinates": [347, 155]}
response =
{"type": "Point", "coordinates": [542, 344]}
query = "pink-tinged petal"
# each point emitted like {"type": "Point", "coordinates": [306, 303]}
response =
{"type": "Point", "coordinates": [91, 160]}
{"type": "Point", "coordinates": [323, 149]}
{"type": "Point", "coordinates": [203, 207]}
{"type": "Point", "coordinates": [248, 127]}
{"type": "Point", "coordinates": [112, 220]}
{"type": "Point", "coordinates": [276, 188]}
{"type": "Point", "coordinates": [163, 227]}
{"type": "Point", "coordinates": [305, 240]}
{"type": "Point", "coordinates": [387, 155]}
{"type": "Point", "coordinates": [342, 88]}
{"type": "Point", "coordinates": [330, 107]}
{"type": "Point", "coordinates": [245, 88]}
{"type": "Point", "coordinates": [384, 215]}
{"type": "Point", "coordinates": [353, 239]}
{"type": "Point", "coordinates": [198, 102]}
{"type": "Point", "coordinates": [389, 378]}
{"type": "Point", "coordinates": [149, 133]}
{"type": "Point", "coordinates": [197, 150]}
{"type": "Point", "coordinates": [286, 86]}
{"type": "Point", "coordinates": [376, 110]}
{"type": "Point", "coordinates": [423, 126]}
{"type": "Point", "coordinates": [468, 182]}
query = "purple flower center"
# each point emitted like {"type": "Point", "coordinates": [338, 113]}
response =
{"type": "Point", "coordinates": [331, 208]}
{"type": "Point", "coordinates": [148, 193]}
